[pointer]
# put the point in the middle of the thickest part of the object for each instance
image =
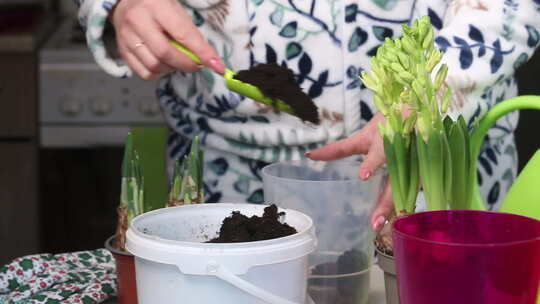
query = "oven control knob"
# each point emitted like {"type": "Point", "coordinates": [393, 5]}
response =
{"type": "Point", "coordinates": [100, 107]}
{"type": "Point", "coordinates": [149, 107]}
{"type": "Point", "coordinates": [70, 107]}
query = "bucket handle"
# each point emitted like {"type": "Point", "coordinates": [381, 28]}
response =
{"type": "Point", "coordinates": [215, 269]}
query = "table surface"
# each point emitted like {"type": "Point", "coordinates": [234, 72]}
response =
{"type": "Point", "coordinates": [376, 295]}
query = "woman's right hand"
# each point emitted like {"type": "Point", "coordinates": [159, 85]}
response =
{"type": "Point", "coordinates": [144, 29]}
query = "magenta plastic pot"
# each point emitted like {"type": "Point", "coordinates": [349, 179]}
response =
{"type": "Point", "coordinates": [466, 256]}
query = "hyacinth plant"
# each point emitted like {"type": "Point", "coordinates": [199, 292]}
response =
{"type": "Point", "coordinates": [187, 182]}
{"type": "Point", "coordinates": [186, 188]}
{"type": "Point", "coordinates": [132, 192]}
{"type": "Point", "coordinates": [425, 148]}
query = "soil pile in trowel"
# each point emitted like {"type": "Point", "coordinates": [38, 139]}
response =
{"type": "Point", "coordinates": [277, 82]}
{"type": "Point", "coordinates": [240, 228]}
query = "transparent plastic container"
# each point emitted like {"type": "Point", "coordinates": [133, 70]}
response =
{"type": "Point", "coordinates": [340, 205]}
{"type": "Point", "coordinates": [466, 256]}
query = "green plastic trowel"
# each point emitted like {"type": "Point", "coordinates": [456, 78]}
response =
{"type": "Point", "coordinates": [242, 88]}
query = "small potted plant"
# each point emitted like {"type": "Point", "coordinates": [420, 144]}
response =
{"type": "Point", "coordinates": [425, 148]}
{"type": "Point", "coordinates": [186, 188]}
{"type": "Point", "coordinates": [187, 184]}
{"type": "Point", "coordinates": [131, 205]}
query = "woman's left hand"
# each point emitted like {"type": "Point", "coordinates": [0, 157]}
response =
{"type": "Point", "coordinates": [369, 142]}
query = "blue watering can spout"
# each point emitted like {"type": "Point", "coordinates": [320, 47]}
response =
{"type": "Point", "coordinates": [524, 196]}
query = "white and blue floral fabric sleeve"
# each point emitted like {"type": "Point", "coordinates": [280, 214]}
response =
{"type": "Point", "coordinates": [327, 43]}
{"type": "Point", "coordinates": [93, 15]}
{"type": "Point", "coordinates": [484, 43]}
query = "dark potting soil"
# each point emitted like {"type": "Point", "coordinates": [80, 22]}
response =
{"type": "Point", "coordinates": [240, 228]}
{"type": "Point", "coordinates": [346, 289]}
{"type": "Point", "coordinates": [350, 261]}
{"type": "Point", "coordinates": [277, 82]}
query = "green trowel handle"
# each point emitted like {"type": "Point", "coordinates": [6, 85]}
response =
{"type": "Point", "coordinates": [237, 86]}
{"type": "Point", "coordinates": [252, 92]}
{"type": "Point", "coordinates": [187, 52]}
{"type": "Point", "coordinates": [477, 137]}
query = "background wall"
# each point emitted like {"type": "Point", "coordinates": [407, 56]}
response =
{"type": "Point", "coordinates": [528, 132]}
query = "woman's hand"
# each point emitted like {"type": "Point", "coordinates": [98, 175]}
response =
{"type": "Point", "coordinates": [369, 142]}
{"type": "Point", "coordinates": [144, 29]}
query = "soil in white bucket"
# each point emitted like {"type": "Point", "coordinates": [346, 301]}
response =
{"type": "Point", "coordinates": [176, 263]}
{"type": "Point", "coordinates": [240, 228]}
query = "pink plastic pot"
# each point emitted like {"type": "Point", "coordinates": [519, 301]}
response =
{"type": "Point", "coordinates": [466, 256]}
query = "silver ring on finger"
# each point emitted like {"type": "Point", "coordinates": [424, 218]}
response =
{"type": "Point", "coordinates": [138, 44]}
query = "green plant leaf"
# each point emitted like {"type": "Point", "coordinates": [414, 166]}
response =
{"type": "Point", "coordinates": [395, 182]}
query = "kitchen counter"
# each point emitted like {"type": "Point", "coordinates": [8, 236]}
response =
{"type": "Point", "coordinates": [376, 295]}
{"type": "Point", "coordinates": [25, 31]}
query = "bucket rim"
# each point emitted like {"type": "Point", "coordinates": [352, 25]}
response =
{"type": "Point", "coordinates": [402, 234]}
{"type": "Point", "coordinates": [108, 245]}
{"type": "Point", "coordinates": [225, 246]}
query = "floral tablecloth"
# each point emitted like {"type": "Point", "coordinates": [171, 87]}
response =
{"type": "Point", "coordinates": [79, 277]}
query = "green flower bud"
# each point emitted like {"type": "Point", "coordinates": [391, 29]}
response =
{"type": "Point", "coordinates": [434, 58]}
{"type": "Point", "coordinates": [396, 67]}
{"type": "Point", "coordinates": [408, 77]}
{"type": "Point", "coordinates": [404, 60]}
{"type": "Point", "coordinates": [441, 76]}
{"type": "Point", "coordinates": [370, 81]}
{"type": "Point", "coordinates": [379, 104]}
{"type": "Point", "coordinates": [409, 122]}
{"type": "Point", "coordinates": [408, 44]}
{"type": "Point", "coordinates": [428, 40]}
{"type": "Point", "coordinates": [447, 99]}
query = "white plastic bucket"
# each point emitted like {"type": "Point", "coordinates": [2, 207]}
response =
{"type": "Point", "coordinates": [174, 265]}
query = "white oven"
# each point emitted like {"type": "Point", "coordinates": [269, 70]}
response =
{"type": "Point", "coordinates": [84, 117]}
{"type": "Point", "coordinates": [81, 105]}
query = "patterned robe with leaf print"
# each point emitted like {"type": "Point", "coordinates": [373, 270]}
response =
{"type": "Point", "coordinates": [328, 43]}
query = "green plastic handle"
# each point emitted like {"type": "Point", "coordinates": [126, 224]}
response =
{"type": "Point", "coordinates": [187, 52]}
{"type": "Point", "coordinates": [524, 196]}
{"type": "Point", "coordinates": [489, 119]}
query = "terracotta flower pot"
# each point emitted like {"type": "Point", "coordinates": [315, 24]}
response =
{"type": "Point", "coordinates": [388, 264]}
{"type": "Point", "coordinates": [125, 272]}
